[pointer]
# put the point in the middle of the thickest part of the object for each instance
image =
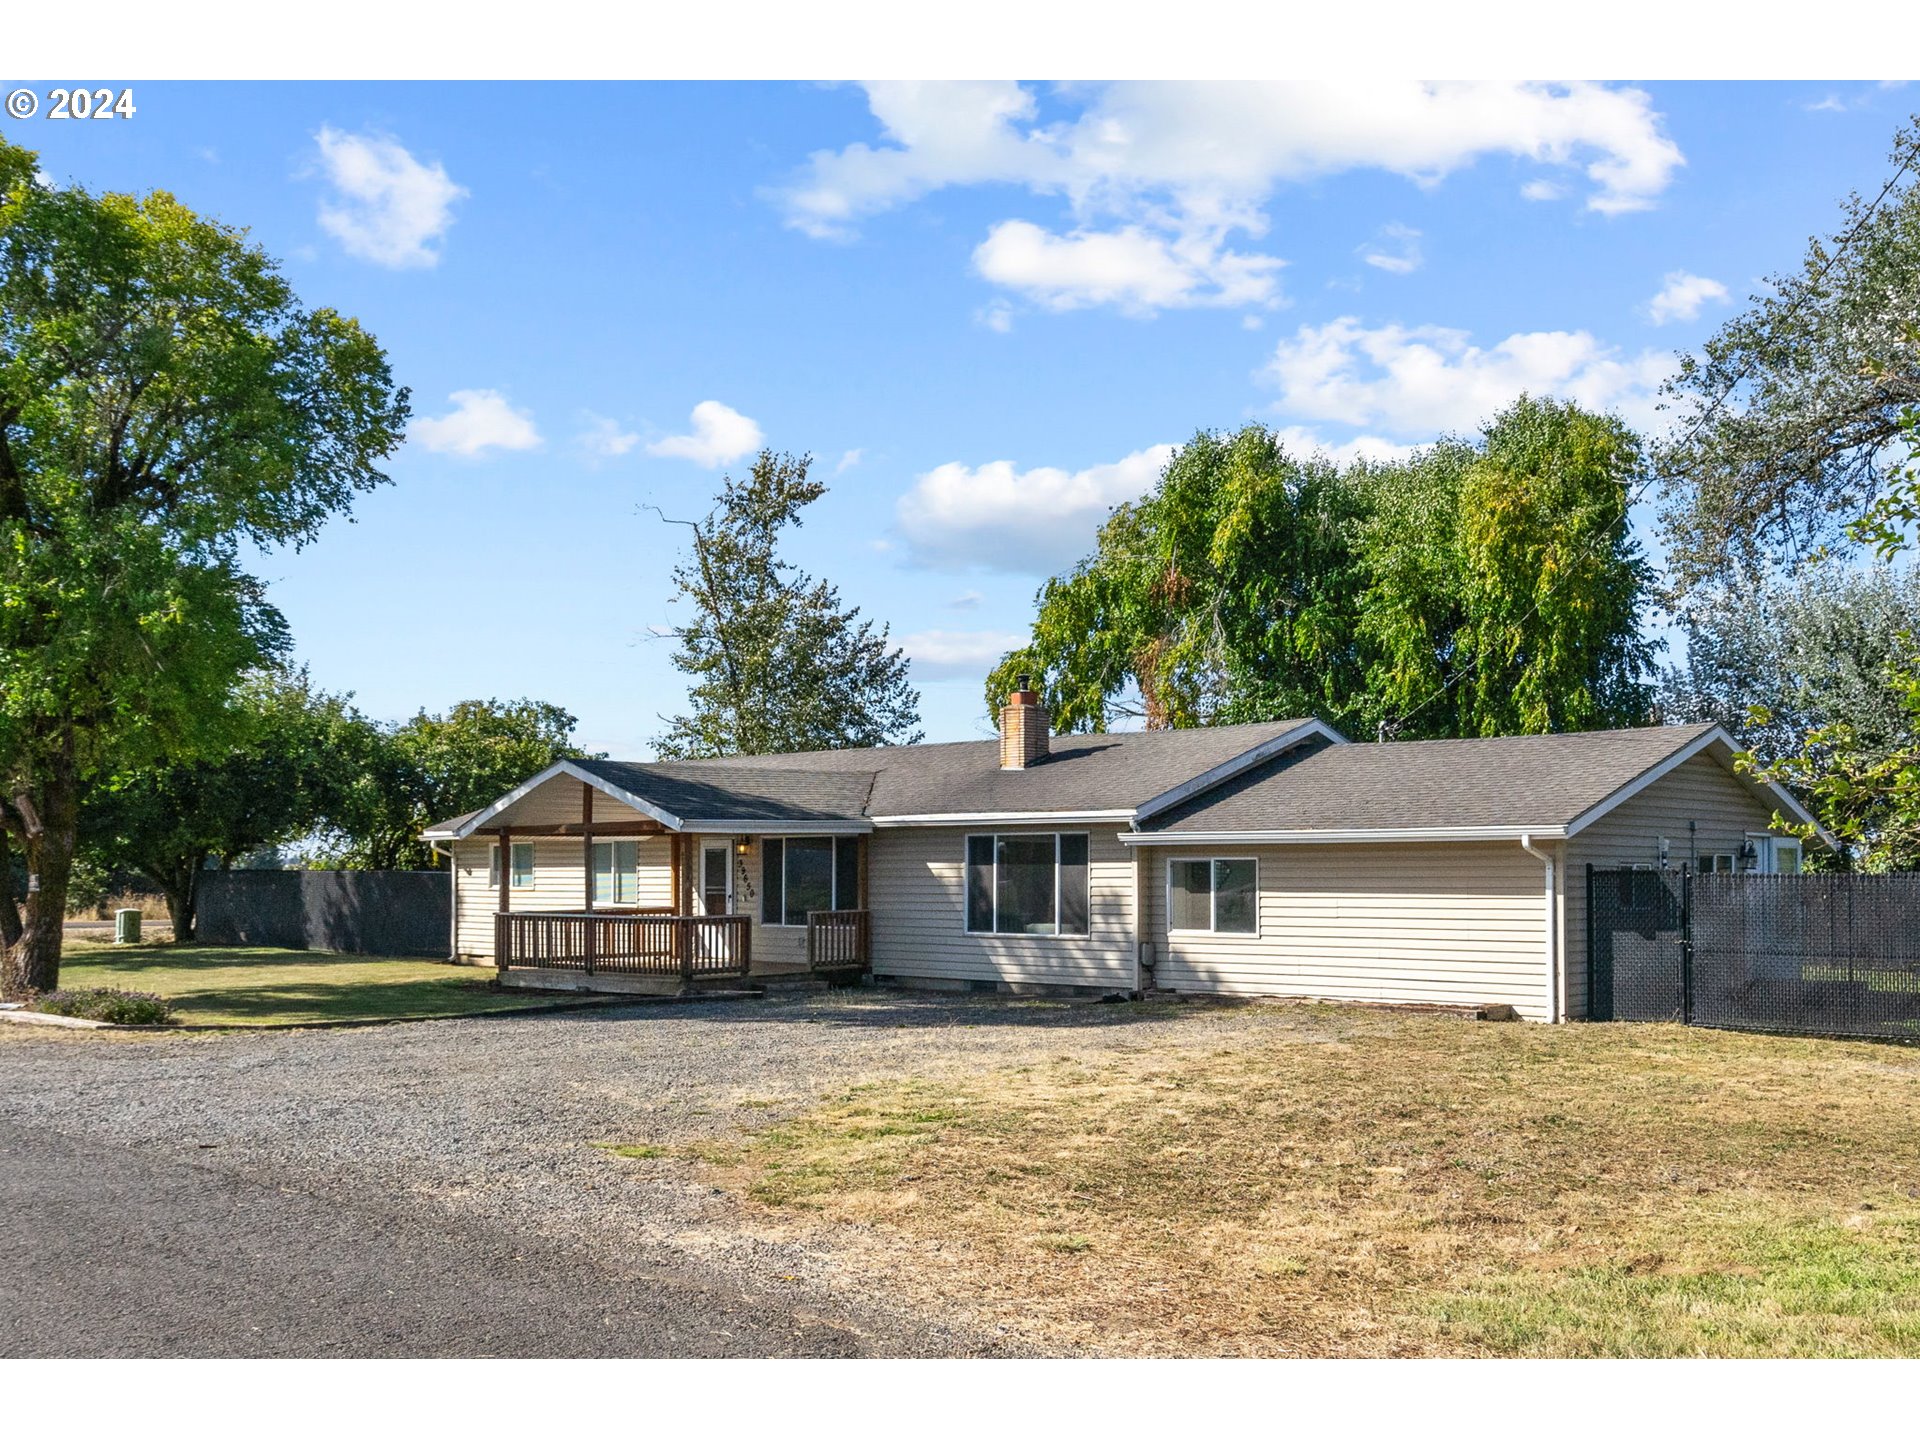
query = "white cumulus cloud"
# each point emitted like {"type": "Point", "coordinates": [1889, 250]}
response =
{"type": "Point", "coordinates": [1682, 295]}
{"type": "Point", "coordinates": [950, 654]}
{"type": "Point", "coordinates": [481, 420]}
{"type": "Point", "coordinates": [1301, 441]}
{"type": "Point", "coordinates": [720, 435]}
{"type": "Point", "coordinates": [1157, 176]}
{"type": "Point", "coordinates": [1417, 382]}
{"type": "Point", "coordinates": [999, 517]}
{"type": "Point", "coordinates": [386, 206]}
{"type": "Point", "coordinates": [1134, 268]}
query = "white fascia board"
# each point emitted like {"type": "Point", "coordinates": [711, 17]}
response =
{"type": "Point", "coordinates": [1002, 817]}
{"type": "Point", "coordinates": [1718, 735]}
{"type": "Point", "coordinates": [1340, 837]}
{"type": "Point", "coordinates": [776, 827]}
{"type": "Point", "coordinates": [1245, 760]}
{"type": "Point", "coordinates": [567, 767]}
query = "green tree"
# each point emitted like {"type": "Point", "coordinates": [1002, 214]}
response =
{"type": "Point", "coordinates": [163, 398]}
{"type": "Point", "coordinates": [433, 767]}
{"type": "Point", "coordinates": [778, 663]}
{"type": "Point", "coordinates": [1785, 423]}
{"type": "Point", "coordinates": [1224, 595]}
{"type": "Point", "coordinates": [1478, 588]}
{"type": "Point", "coordinates": [1504, 588]}
{"type": "Point", "coordinates": [1860, 767]}
{"type": "Point", "coordinates": [1810, 647]}
{"type": "Point", "coordinates": [286, 772]}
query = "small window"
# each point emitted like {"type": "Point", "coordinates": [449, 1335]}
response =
{"type": "Point", "coordinates": [1718, 863]}
{"type": "Point", "coordinates": [803, 873]}
{"type": "Point", "coordinates": [1786, 857]}
{"type": "Point", "coordinates": [522, 864]}
{"type": "Point", "coordinates": [1027, 884]}
{"type": "Point", "coordinates": [1214, 896]}
{"type": "Point", "coordinates": [493, 867]}
{"type": "Point", "coordinates": [616, 872]}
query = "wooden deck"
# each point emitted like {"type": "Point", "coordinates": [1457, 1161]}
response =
{"type": "Point", "coordinates": [657, 952]}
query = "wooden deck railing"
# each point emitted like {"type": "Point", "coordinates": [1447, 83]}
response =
{"type": "Point", "coordinates": [636, 943]}
{"type": "Point", "coordinates": [838, 939]}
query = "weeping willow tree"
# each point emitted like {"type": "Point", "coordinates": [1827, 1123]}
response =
{"type": "Point", "coordinates": [1480, 587]}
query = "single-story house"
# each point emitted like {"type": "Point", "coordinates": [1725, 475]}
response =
{"type": "Point", "coordinates": [1269, 859]}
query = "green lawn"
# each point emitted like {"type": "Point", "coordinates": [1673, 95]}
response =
{"type": "Point", "coordinates": [211, 985]}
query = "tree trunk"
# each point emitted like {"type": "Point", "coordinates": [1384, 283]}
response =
{"type": "Point", "coordinates": [183, 899]}
{"type": "Point", "coordinates": [33, 960]}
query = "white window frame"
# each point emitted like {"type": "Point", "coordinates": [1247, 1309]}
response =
{"type": "Point", "coordinates": [1213, 894]}
{"type": "Point", "coordinates": [760, 916]}
{"type": "Point", "coordinates": [996, 836]}
{"type": "Point", "coordinates": [1711, 861]}
{"type": "Point", "coordinates": [533, 867]}
{"type": "Point", "coordinates": [593, 874]}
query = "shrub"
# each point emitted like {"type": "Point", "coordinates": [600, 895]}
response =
{"type": "Point", "coordinates": [116, 1007]}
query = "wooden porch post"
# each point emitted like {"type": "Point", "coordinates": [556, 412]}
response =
{"type": "Point", "coordinates": [679, 931]}
{"type": "Point", "coordinates": [503, 930]}
{"type": "Point", "coordinates": [586, 870]}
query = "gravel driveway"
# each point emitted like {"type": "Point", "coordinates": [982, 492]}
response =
{"type": "Point", "coordinates": [436, 1189]}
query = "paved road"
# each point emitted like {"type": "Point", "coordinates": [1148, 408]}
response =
{"type": "Point", "coordinates": [440, 1189]}
{"type": "Point", "coordinates": [122, 1254]}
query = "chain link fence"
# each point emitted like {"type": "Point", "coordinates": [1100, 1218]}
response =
{"type": "Point", "coordinates": [1801, 954]}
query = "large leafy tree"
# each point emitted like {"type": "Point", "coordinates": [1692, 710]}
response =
{"type": "Point", "coordinates": [1224, 595]}
{"type": "Point", "coordinates": [1504, 588]}
{"type": "Point", "coordinates": [778, 663]}
{"type": "Point", "coordinates": [163, 398]}
{"type": "Point", "coordinates": [1809, 647]}
{"type": "Point", "coordinates": [287, 771]}
{"type": "Point", "coordinates": [1481, 587]}
{"type": "Point", "coordinates": [1785, 425]}
{"type": "Point", "coordinates": [403, 778]}
{"type": "Point", "coordinates": [1860, 765]}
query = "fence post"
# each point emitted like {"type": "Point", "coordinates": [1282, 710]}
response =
{"type": "Point", "coordinates": [1686, 947]}
{"type": "Point", "coordinates": [685, 939]}
{"type": "Point", "coordinates": [1595, 1011]}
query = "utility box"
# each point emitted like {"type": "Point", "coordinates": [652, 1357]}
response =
{"type": "Point", "coordinates": [126, 927]}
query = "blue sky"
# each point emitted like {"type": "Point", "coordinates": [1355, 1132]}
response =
{"type": "Point", "coordinates": [985, 309]}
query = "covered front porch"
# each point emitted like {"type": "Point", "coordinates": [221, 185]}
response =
{"type": "Point", "coordinates": [566, 885]}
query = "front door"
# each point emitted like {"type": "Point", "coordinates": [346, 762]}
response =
{"type": "Point", "coordinates": [716, 880]}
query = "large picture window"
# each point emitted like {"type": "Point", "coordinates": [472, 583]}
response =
{"type": "Point", "coordinates": [807, 872]}
{"type": "Point", "coordinates": [616, 872]}
{"type": "Point", "coordinates": [1027, 884]}
{"type": "Point", "coordinates": [1220, 897]}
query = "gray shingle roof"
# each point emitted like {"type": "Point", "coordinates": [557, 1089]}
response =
{"type": "Point", "coordinates": [1517, 782]}
{"type": "Point", "coordinates": [724, 791]}
{"type": "Point", "coordinates": [1116, 771]}
{"type": "Point", "coordinates": [1542, 781]}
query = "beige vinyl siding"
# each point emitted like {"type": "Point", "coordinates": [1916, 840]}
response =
{"type": "Point", "coordinates": [917, 882]}
{"type": "Point", "coordinates": [559, 883]}
{"type": "Point", "coordinates": [1723, 809]}
{"type": "Point", "coordinates": [1453, 924]}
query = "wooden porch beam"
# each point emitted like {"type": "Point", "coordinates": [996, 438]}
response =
{"type": "Point", "coordinates": [506, 871]}
{"type": "Point", "coordinates": [606, 827]}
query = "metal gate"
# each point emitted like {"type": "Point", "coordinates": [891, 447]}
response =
{"type": "Point", "coordinates": [1637, 958]}
{"type": "Point", "coordinates": [1830, 954]}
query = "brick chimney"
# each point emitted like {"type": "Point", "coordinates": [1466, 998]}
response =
{"type": "Point", "coordinates": [1023, 727]}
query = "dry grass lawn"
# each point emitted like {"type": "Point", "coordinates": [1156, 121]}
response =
{"type": "Point", "coordinates": [1343, 1182]}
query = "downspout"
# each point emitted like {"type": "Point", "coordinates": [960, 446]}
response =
{"type": "Point", "coordinates": [1556, 1002]}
